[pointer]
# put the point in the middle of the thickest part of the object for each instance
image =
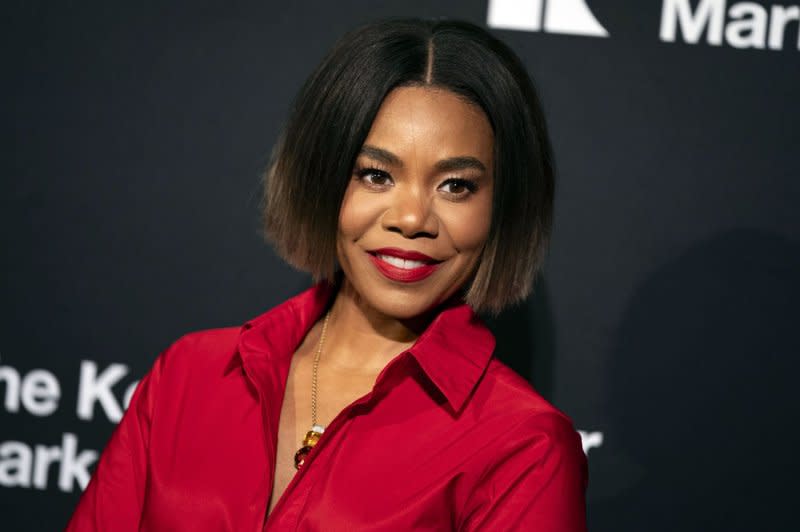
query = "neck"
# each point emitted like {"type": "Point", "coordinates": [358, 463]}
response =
{"type": "Point", "coordinates": [362, 340]}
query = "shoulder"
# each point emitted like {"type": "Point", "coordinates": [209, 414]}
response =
{"type": "Point", "coordinates": [200, 351]}
{"type": "Point", "coordinates": [530, 473]}
{"type": "Point", "coordinates": [504, 399]}
{"type": "Point", "coordinates": [505, 392]}
{"type": "Point", "coordinates": [528, 432]}
{"type": "Point", "coordinates": [207, 341]}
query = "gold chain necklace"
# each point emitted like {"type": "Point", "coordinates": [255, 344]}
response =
{"type": "Point", "coordinates": [312, 436]}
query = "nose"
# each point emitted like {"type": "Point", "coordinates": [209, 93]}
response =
{"type": "Point", "coordinates": [411, 214]}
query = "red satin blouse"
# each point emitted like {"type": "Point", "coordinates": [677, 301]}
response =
{"type": "Point", "coordinates": [449, 438]}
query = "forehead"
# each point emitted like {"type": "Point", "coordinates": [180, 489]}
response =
{"type": "Point", "coordinates": [427, 123]}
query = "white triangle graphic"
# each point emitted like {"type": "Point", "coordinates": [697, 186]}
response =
{"type": "Point", "coordinates": [572, 17]}
{"type": "Point", "coordinates": [523, 15]}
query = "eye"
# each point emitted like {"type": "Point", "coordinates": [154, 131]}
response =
{"type": "Point", "coordinates": [458, 187]}
{"type": "Point", "coordinates": [374, 177]}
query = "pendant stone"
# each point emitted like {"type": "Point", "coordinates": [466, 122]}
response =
{"type": "Point", "coordinates": [311, 439]}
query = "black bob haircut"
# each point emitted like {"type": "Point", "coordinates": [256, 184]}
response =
{"type": "Point", "coordinates": [333, 112]}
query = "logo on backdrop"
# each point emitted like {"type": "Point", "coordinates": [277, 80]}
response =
{"type": "Point", "coordinates": [745, 26]}
{"type": "Point", "coordinates": [38, 393]}
{"type": "Point", "coordinates": [741, 25]}
{"type": "Point", "coordinates": [572, 17]}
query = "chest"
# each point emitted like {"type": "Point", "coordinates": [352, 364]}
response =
{"type": "Point", "coordinates": [336, 389]}
{"type": "Point", "coordinates": [390, 459]}
{"type": "Point", "coordinates": [381, 464]}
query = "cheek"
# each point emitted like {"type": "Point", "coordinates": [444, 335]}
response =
{"type": "Point", "coordinates": [468, 231]}
{"type": "Point", "coordinates": [359, 212]}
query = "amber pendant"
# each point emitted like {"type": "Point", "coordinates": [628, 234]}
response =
{"type": "Point", "coordinates": [311, 439]}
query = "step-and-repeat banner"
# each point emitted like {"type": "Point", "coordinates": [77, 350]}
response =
{"type": "Point", "coordinates": [665, 323]}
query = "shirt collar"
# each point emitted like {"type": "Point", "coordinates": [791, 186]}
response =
{"type": "Point", "coordinates": [454, 351]}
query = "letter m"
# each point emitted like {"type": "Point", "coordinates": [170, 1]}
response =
{"type": "Point", "coordinates": [709, 14]}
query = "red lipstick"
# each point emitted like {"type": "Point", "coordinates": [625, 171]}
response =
{"type": "Point", "coordinates": [402, 265]}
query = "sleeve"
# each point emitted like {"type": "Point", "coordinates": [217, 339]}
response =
{"type": "Point", "coordinates": [539, 483]}
{"type": "Point", "coordinates": [114, 497]}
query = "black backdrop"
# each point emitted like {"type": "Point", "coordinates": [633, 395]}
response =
{"type": "Point", "coordinates": [665, 323]}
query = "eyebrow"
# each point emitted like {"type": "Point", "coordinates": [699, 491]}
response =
{"type": "Point", "coordinates": [461, 162]}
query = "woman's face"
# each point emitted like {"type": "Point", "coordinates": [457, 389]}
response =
{"type": "Point", "coordinates": [417, 209]}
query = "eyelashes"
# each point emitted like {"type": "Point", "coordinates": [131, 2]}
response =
{"type": "Point", "coordinates": [376, 173]}
{"type": "Point", "coordinates": [457, 187]}
{"type": "Point", "coordinates": [461, 183]}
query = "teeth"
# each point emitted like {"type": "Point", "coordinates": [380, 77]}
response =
{"type": "Point", "coordinates": [401, 263]}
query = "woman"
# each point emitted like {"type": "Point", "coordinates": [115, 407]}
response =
{"type": "Point", "coordinates": [414, 180]}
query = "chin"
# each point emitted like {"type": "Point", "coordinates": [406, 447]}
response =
{"type": "Point", "coordinates": [399, 303]}
{"type": "Point", "coordinates": [407, 302]}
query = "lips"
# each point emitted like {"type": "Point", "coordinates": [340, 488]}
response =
{"type": "Point", "coordinates": [403, 265]}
